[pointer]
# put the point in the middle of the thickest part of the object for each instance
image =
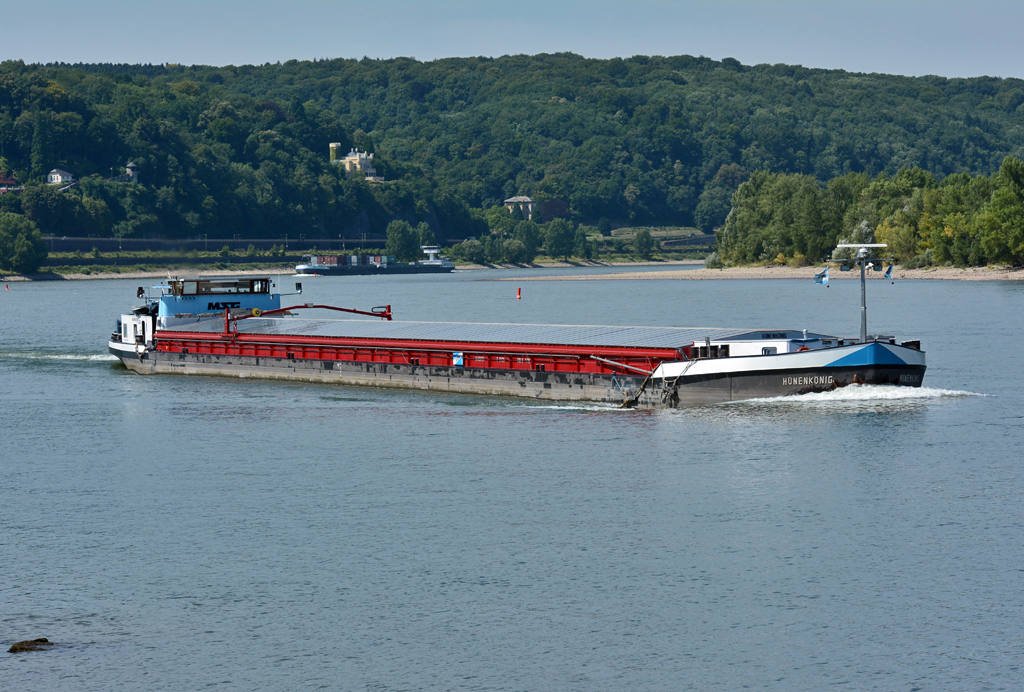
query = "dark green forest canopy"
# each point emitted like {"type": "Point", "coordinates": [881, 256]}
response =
{"type": "Point", "coordinates": [641, 141]}
{"type": "Point", "coordinates": [962, 220]}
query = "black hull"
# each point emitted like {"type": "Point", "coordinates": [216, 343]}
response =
{"type": "Point", "coordinates": [720, 388]}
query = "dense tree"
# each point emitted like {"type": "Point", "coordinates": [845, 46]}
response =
{"type": "Point", "coordinates": [713, 207]}
{"type": "Point", "coordinates": [715, 202]}
{"type": "Point", "coordinates": [528, 233]}
{"type": "Point", "coordinates": [65, 213]}
{"type": "Point", "coordinates": [581, 247]}
{"type": "Point", "coordinates": [472, 251]}
{"type": "Point", "coordinates": [558, 238]}
{"type": "Point", "coordinates": [1000, 223]}
{"type": "Point", "coordinates": [963, 220]}
{"type": "Point", "coordinates": [402, 242]}
{"type": "Point", "coordinates": [644, 141]}
{"type": "Point", "coordinates": [643, 244]}
{"type": "Point", "coordinates": [425, 236]}
{"type": "Point", "coordinates": [22, 248]}
{"type": "Point", "coordinates": [514, 251]}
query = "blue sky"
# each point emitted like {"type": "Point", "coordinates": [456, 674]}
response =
{"type": "Point", "coordinates": [911, 37]}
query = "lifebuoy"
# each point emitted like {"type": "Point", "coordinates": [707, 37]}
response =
{"type": "Point", "coordinates": [802, 348]}
{"type": "Point", "coordinates": [256, 312]}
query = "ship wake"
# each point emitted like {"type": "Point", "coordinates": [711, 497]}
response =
{"type": "Point", "coordinates": [84, 357]}
{"type": "Point", "coordinates": [877, 394]}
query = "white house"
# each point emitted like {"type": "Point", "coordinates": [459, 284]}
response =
{"type": "Point", "coordinates": [59, 177]}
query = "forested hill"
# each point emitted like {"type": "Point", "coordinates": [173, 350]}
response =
{"type": "Point", "coordinates": [645, 140]}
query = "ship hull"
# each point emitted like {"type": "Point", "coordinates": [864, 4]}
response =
{"type": "Point", "coordinates": [371, 269]}
{"type": "Point", "coordinates": [714, 381]}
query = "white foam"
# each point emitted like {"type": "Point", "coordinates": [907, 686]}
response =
{"type": "Point", "coordinates": [868, 393]}
{"type": "Point", "coordinates": [561, 406]}
{"type": "Point", "coordinates": [574, 407]}
{"type": "Point", "coordinates": [95, 357]}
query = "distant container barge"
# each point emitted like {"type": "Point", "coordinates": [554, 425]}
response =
{"type": "Point", "coordinates": [375, 265]}
{"type": "Point", "coordinates": [237, 328]}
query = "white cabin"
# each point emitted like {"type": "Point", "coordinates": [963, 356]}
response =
{"type": "Point", "coordinates": [59, 177]}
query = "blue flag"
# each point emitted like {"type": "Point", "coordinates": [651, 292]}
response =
{"type": "Point", "coordinates": [822, 277]}
{"type": "Point", "coordinates": [888, 272]}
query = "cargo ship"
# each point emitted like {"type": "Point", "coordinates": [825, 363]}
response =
{"type": "Point", "coordinates": [237, 328]}
{"type": "Point", "coordinates": [359, 265]}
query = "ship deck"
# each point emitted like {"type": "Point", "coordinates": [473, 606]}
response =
{"type": "Point", "coordinates": [469, 332]}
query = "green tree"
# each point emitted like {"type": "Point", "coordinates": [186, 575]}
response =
{"type": "Point", "coordinates": [528, 233]}
{"type": "Point", "coordinates": [714, 205]}
{"type": "Point", "coordinates": [514, 251]}
{"type": "Point", "coordinates": [56, 212]}
{"type": "Point", "coordinates": [558, 238]}
{"type": "Point", "coordinates": [98, 214]}
{"type": "Point", "coordinates": [11, 203]}
{"type": "Point", "coordinates": [473, 251]}
{"type": "Point", "coordinates": [956, 241]}
{"type": "Point", "coordinates": [776, 214]}
{"type": "Point", "coordinates": [455, 218]}
{"type": "Point", "coordinates": [424, 235]}
{"type": "Point", "coordinates": [1001, 222]}
{"type": "Point", "coordinates": [493, 249]}
{"type": "Point", "coordinates": [6, 136]}
{"type": "Point", "coordinates": [580, 245]}
{"type": "Point", "coordinates": [22, 248]}
{"type": "Point", "coordinates": [42, 156]}
{"type": "Point", "coordinates": [402, 242]}
{"type": "Point", "coordinates": [643, 244]}
{"type": "Point", "coordinates": [500, 222]}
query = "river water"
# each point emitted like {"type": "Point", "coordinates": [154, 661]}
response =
{"type": "Point", "coordinates": [177, 533]}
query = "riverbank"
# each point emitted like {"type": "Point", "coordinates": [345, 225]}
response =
{"type": "Point", "coordinates": [994, 273]}
{"type": "Point", "coordinates": [555, 264]}
{"type": "Point", "coordinates": [286, 269]}
{"type": "Point", "coordinates": [290, 269]}
{"type": "Point", "coordinates": [943, 273]}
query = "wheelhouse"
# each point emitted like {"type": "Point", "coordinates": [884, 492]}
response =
{"type": "Point", "coordinates": [207, 287]}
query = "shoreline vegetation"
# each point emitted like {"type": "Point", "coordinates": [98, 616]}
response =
{"type": "Point", "coordinates": [674, 271]}
{"type": "Point", "coordinates": [775, 272]}
{"type": "Point", "coordinates": [504, 160]}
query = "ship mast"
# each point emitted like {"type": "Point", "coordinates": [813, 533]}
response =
{"type": "Point", "coordinates": [863, 260]}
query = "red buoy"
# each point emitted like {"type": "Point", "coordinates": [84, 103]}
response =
{"type": "Point", "coordinates": [519, 294]}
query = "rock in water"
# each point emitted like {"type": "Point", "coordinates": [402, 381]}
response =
{"type": "Point", "coordinates": [30, 645]}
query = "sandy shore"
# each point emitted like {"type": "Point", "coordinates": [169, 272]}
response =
{"type": "Point", "coordinates": [578, 265]}
{"type": "Point", "coordinates": [284, 269]}
{"type": "Point", "coordinates": [946, 273]}
{"type": "Point", "coordinates": [290, 269]}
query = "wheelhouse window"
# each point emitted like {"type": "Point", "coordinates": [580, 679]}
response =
{"type": "Point", "coordinates": [206, 287]}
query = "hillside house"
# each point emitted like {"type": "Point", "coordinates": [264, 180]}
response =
{"type": "Point", "coordinates": [355, 162]}
{"type": "Point", "coordinates": [524, 204]}
{"type": "Point", "coordinates": [59, 177]}
{"type": "Point", "coordinates": [8, 184]}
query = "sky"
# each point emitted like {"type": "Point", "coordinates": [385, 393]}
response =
{"type": "Point", "coordinates": [908, 37]}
